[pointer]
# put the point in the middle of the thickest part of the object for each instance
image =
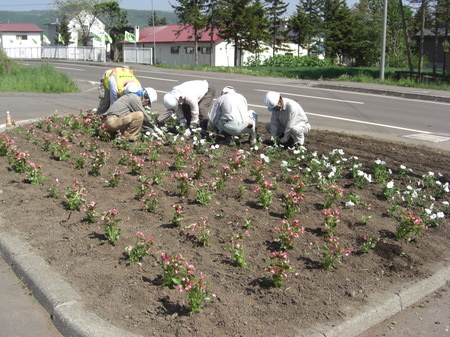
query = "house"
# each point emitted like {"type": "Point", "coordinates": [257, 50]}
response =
{"type": "Point", "coordinates": [174, 45]}
{"type": "Point", "coordinates": [83, 21]}
{"type": "Point", "coordinates": [14, 35]}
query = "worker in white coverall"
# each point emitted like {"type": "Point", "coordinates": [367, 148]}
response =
{"type": "Point", "coordinates": [191, 101]}
{"type": "Point", "coordinates": [230, 116]}
{"type": "Point", "coordinates": [288, 124]}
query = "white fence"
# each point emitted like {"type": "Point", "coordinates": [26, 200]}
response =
{"type": "Point", "coordinates": [138, 55]}
{"type": "Point", "coordinates": [58, 52]}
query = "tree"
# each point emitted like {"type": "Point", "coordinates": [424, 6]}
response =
{"type": "Point", "coordinates": [338, 26]}
{"type": "Point", "coordinates": [115, 21]}
{"type": "Point", "coordinates": [277, 27]}
{"type": "Point", "coordinates": [63, 32]}
{"type": "Point", "coordinates": [305, 23]}
{"type": "Point", "coordinates": [191, 13]}
{"type": "Point", "coordinates": [84, 12]}
{"type": "Point", "coordinates": [155, 20]}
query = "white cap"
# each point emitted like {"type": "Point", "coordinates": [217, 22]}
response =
{"type": "Point", "coordinates": [271, 100]}
{"type": "Point", "coordinates": [227, 89]}
{"type": "Point", "coordinates": [170, 101]}
{"type": "Point", "coordinates": [151, 94]}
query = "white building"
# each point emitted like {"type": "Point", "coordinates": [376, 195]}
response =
{"type": "Point", "coordinates": [21, 40]}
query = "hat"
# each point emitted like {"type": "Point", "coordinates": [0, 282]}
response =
{"type": "Point", "coordinates": [227, 89]}
{"type": "Point", "coordinates": [170, 101]}
{"type": "Point", "coordinates": [271, 100]}
{"type": "Point", "coordinates": [150, 94]}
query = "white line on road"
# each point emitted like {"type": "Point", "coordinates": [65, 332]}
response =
{"type": "Point", "coordinates": [158, 78]}
{"type": "Point", "coordinates": [315, 97]}
{"type": "Point", "coordinates": [354, 121]}
{"type": "Point", "coordinates": [76, 69]}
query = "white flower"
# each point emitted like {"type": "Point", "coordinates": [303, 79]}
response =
{"type": "Point", "coordinates": [284, 163]}
{"type": "Point", "coordinates": [445, 203]}
{"type": "Point", "coordinates": [403, 167]}
{"type": "Point", "coordinates": [390, 184]}
{"type": "Point", "coordinates": [264, 157]}
{"type": "Point", "coordinates": [349, 204]}
{"type": "Point", "coordinates": [428, 211]}
{"type": "Point", "coordinates": [440, 215]}
{"type": "Point", "coordinates": [432, 216]}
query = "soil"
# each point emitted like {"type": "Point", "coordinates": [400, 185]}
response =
{"type": "Point", "coordinates": [131, 295]}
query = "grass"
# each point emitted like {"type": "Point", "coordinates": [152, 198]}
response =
{"type": "Point", "coordinates": [43, 79]}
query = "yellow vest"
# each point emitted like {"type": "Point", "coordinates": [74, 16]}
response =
{"type": "Point", "coordinates": [123, 77]}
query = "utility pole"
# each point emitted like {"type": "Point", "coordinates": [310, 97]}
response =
{"type": "Point", "coordinates": [154, 39]}
{"type": "Point", "coordinates": [383, 44]}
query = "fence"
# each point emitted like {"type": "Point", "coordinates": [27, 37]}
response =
{"type": "Point", "coordinates": [138, 55]}
{"type": "Point", "coordinates": [58, 52]}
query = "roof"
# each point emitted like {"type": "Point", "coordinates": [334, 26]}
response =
{"type": "Point", "coordinates": [20, 27]}
{"type": "Point", "coordinates": [168, 34]}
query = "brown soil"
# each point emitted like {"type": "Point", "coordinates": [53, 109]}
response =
{"type": "Point", "coordinates": [131, 295]}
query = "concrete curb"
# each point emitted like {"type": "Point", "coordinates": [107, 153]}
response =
{"type": "Point", "coordinates": [381, 306]}
{"type": "Point", "coordinates": [57, 297]}
{"type": "Point", "coordinates": [70, 317]}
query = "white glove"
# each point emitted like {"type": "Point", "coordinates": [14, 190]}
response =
{"type": "Point", "coordinates": [187, 132]}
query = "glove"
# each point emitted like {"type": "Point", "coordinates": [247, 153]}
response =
{"type": "Point", "coordinates": [268, 142]}
{"type": "Point", "coordinates": [187, 132]}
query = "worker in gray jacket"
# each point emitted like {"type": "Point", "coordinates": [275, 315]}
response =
{"type": "Point", "coordinates": [230, 116]}
{"type": "Point", "coordinates": [127, 114]}
{"type": "Point", "coordinates": [288, 124]}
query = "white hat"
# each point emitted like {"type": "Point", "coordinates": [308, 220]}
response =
{"type": "Point", "coordinates": [170, 101]}
{"type": "Point", "coordinates": [227, 89]}
{"type": "Point", "coordinates": [271, 100]}
{"type": "Point", "coordinates": [151, 94]}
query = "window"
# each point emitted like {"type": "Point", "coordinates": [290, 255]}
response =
{"type": "Point", "coordinates": [189, 50]}
{"type": "Point", "coordinates": [206, 50]}
{"type": "Point", "coordinates": [21, 37]}
{"type": "Point", "coordinates": [175, 50]}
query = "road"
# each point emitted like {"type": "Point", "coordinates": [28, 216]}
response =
{"type": "Point", "coordinates": [380, 116]}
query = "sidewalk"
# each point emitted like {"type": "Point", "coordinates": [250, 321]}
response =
{"type": "Point", "coordinates": [48, 304]}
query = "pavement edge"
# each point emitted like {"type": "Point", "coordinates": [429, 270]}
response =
{"type": "Point", "coordinates": [56, 296]}
{"type": "Point", "coordinates": [381, 306]}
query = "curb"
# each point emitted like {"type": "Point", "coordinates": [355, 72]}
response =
{"type": "Point", "coordinates": [381, 306]}
{"type": "Point", "coordinates": [56, 296]}
{"type": "Point", "coordinates": [385, 92]}
{"type": "Point", "coordinates": [70, 317]}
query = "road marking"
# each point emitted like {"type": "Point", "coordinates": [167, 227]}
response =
{"type": "Point", "coordinates": [322, 98]}
{"type": "Point", "coordinates": [76, 69]}
{"type": "Point", "coordinates": [159, 79]}
{"type": "Point", "coordinates": [427, 137]}
{"type": "Point", "coordinates": [355, 121]}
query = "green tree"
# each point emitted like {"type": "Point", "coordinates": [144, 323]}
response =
{"type": "Point", "coordinates": [115, 20]}
{"type": "Point", "coordinates": [157, 21]}
{"type": "Point", "coordinates": [277, 30]}
{"type": "Point", "coordinates": [191, 13]}
{"type": "Point", "coordinates": [305, 24]}
{"type": "Point", "coordinates": [338, 26]}
{"type": "Point", "coordinates": [63, 30]}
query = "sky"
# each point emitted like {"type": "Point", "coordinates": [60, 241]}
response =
{"type": "Point", "coordinates": [161, 5]}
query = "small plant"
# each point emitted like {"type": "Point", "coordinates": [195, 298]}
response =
{"type": "Point", "coordinates": [331, 219]}
{"type": "Point", "coordinates": [91, 214]}
{"type": "Point", "coordinates": [409, 226]}
{"type": "Point", "coordinates": [175, 267]}
{"type": "Point", "coordinates": [380, 171]}
{"type": "Point", "coordinates": [279, 268]}
{"type": "Point", "coordinates": [364, 219]}
{"type": "Point", "coordinates": [204, 193]}
{"type": "Point", "coordinates": [136, 164]}
{"type": "Point", "coordinates": [369, 242]}
{"type": "Point", "coordinates": [6, 144]}
{"type": "Point", "coordinates": [291, 203]}
{"type": "Point", "coordinates": [287, 233]}
{"type": "Point", "coordinates": [184, 183]}
{"type": "Point", "coordinates": [34, 174]}
{"type": "Point", "coordinates": [75, 196]}
{"type": "Point", "coordinates": [196, 291]}
{"type": "Point", "coordinates": [18, 160]}
{"type": "Point", "coordinates": [202, 227]}
{"type": "Point", "coordinates": [332, 253]}
{"type": "Point", "coordinates": [334, 192]}
{"type": "Point", "coordinates": [403, 172]}
{"type": "Point", "coordinates": [109, 221]}
{"type": "Point", "coordinates": [257, 171]}
{"type": "Point", "coordinates": [115, 177]}
{"type": "Point", "coordinates": [388, 190]}
{"type": "Point", "coordinates": [150, 201]}
{"type": "Point", "coordinates": [140, 249]}
{"type": "Point", "coordinates": [177, 212]}
{"type": "Point", "coordinates": [265, 194]}
{"type": "Point", "coordinates": [53, 190]}
{"type": "Point", "coordinates": [248, 223]}
{"type": "Point", "coordinates": [237, 248]}
{"type": "Point", "coordinates": [98, 161]}
{"type": "Point", "coordinates": [61, 149]}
